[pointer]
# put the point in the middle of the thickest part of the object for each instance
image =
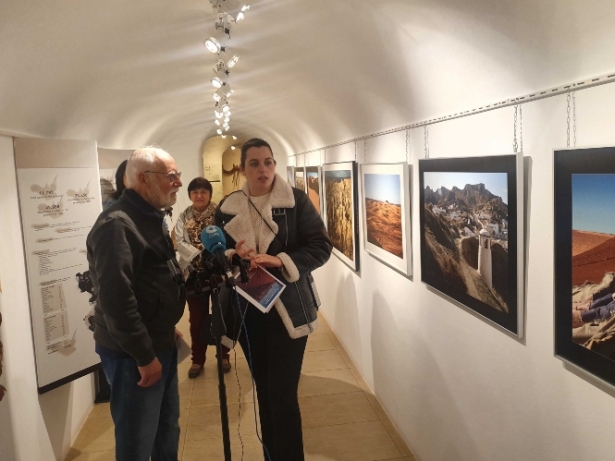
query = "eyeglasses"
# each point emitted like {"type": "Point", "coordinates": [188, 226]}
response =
{"type": "Point", "coordinates": [171, 175]}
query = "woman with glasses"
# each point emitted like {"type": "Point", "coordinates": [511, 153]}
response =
{"type": "Point", "coordinates": [276, 227]}
{"type": "Point", "coordinates": [188, 228]}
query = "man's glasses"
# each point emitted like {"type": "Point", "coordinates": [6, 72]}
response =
{"type": "Point", "coordinates": [172, 175]}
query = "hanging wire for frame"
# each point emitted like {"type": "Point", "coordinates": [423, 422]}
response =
{"type": "Point", "coordinates": [521, 127]}
{"type": "Point", "coordinates": [568, 99]}
{"type": "Point", "coordinates": [515, 146]}
{"type": "Point", "coordinates": [426, 136]}
{"type": "Point", "coordinates": [574, 119]}
{"type": "Point", "coordinates": [365, 151]}
{"type": "Point", "coordinates": [407, 134]}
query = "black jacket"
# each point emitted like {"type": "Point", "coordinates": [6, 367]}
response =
{"type": "Point", "coordinates": [302, 243]}
{"type": "Point", "coordinates": [139, 287]}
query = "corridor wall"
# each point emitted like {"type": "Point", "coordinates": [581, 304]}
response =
{"type": "Point", "coordinates": [457, 387]}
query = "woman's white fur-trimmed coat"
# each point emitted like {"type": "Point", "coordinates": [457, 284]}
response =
{"type": "Point", "coordinates": [302, 241]}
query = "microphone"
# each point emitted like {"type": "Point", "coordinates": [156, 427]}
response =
{"type": "Point", "coordinates": [214, 241]}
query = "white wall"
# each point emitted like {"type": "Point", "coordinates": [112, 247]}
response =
{"type": "Point", "coordinates": [34, 428]}
{"type": "Point", "coordinates": [455, 386]}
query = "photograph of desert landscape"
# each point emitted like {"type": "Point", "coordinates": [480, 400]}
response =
{"type": "Point", "coordinates": [593, 262]}
{"type": "Point", "coordinates": [339, 206]}
{"type": "Point", "coordinates": [465, 225]}
{"type": "Point", "coordinates": [299, 179]}
{"type": "Point", "coordinates": [383, 213]}
{"type": "Point", "coordinates": [312, 178]}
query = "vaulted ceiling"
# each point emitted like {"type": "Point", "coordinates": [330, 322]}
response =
{"type": "Point", "coordinates": [311, 72]}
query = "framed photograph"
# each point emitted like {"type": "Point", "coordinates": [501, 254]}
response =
{"type": "Point", "coordinates": [313, 184]}
{"type": "Point", "coordinates": [300, 178]}
{"type": "Point", "coordinates": [584, 190]}
{"type": "Point", "coordinates": [471, 212]}
{"type": "Point", "coordinates": [340, 203]}
{"type": "Point", "coordinates": [290, 175]}
{"type": "Point", "coordinates": [386, 214]}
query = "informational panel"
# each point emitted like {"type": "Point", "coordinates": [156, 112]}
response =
{"type": "Point", "coordinates": [59, 205]}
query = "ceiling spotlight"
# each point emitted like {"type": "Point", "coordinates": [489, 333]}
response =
{"type": "Point", "coordinates": [218, 113]}
{"type": "Point", "coordinates": [234, 137]}
{"type": "Point", "coordinates": [244, 8]}
{"type": "Point", "coordinates": [226, 108]}
{"type": "Point", "coordinates": [217, 122]}
{"type": "Point", "coordinates": [227, 119]}
{"type": "Point", "coordinates": [232, 61]}
{"type": "Point", "coordinates": [223, 136]}
{"type": "Point", "coordinates": [224, 22]}
{"type": "Point", "coordinates": [226, 128]}
{"type": "Point", "coordinates": [233, 147]}
{"type": "Point", "coordinates": [213, 45]}
{"type": "Point", "coordinates": [217, 82]}
{"type": "Point", "coordinates": [220, 94]}
{"type": "Point", "coordinates": [240, 16]}
{"type": "Point", "coordinates": [219, 131]}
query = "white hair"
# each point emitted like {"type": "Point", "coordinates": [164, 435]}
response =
{"type": "Point", "coordinates": [141, 160]}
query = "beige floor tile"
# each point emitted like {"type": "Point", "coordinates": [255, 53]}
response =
{"type": "Point", "coordinates": [323, 360]}
{"type": "Point", "coordinates": [319, 343]}
{"type": "Point", "coordinates": [76, 455]}
{"type": "Point", "coordinates": [213, 449]}
{"type": "Point", "coordinates": [100, 436]}
{"type": "Point", "coordinates": [365, 441]}
{"type": "Point", "coordinates": [328, 410]}
{"type": "Point", "coordinates": [204, 422]}
{"type": "Point", "coordinates": [327, 382]}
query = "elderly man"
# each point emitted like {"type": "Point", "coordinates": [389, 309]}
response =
{"type": "Point", "coordinates": [140, 299]}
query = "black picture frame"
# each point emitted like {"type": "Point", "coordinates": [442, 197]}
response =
{"type": "Point", "coordinates": [434, 272]}
{"type": "Point", "coordinates": [568, 347]}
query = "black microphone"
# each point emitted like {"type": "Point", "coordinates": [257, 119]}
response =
{"type": "Point", "coordinates": [214, 241]}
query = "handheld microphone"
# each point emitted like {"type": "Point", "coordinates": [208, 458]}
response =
{"type": "Point", "coordinates": [214, 241]}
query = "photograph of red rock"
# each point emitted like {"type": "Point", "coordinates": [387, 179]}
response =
{"type": "Point", "coordinates": [469, 222]}
{"type": "Point", "coordinates": [340, 210]}
{"type": "Point", "coordinates": [313, 181]}
{"type": "Point", "coordinates": [386, 202]}
{"type": "Point", "coordinates": [584, 259]}
{"type": "Point", "coordinates": [593, 262]}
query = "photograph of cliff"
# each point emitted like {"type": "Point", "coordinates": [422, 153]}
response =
{"type": "Point", "coordinates": [471, 230]}
{"type": "Point", "coordinates": [465, 226]}
{"type": "Point", "coordinates": [312, 178]}
{"type": "Point", "coordinates": [340, 203]}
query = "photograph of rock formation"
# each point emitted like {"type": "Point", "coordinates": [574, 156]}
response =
{"type": "Point", "coordinates": [383, 213]}
{"type": "Point", "coordinates": [465, 226]}
{"type": "Point", "coordinates": [593, 262]}
{"type": "Point", "coordinates": [339, 200]}
{"type": "Point", "coordinates": [312, 177]}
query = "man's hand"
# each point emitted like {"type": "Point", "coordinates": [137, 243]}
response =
{"type": "Point", "coordinates": [150, 374]}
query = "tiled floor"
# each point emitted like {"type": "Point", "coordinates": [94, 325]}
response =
{"type": "Point", "coordinates": [342, 420]}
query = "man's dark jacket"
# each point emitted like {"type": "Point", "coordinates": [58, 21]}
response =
{"type": "Point", "coordinates": [140, 295]}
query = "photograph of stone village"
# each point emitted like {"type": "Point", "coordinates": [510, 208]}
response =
{"type": "Point", "coordinates": [466, 229]}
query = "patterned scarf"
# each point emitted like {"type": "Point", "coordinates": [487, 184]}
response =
{"type": "Point", "coordinates": [195, 225]}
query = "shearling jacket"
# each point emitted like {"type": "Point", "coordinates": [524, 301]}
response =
{"type": "Point", "coordinates": [302, 243]}
{"type": "Point", "coordinates": [139, 287]}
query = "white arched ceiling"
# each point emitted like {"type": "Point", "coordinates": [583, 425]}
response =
{"type": "Point", "coordinates": [311, 73]}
